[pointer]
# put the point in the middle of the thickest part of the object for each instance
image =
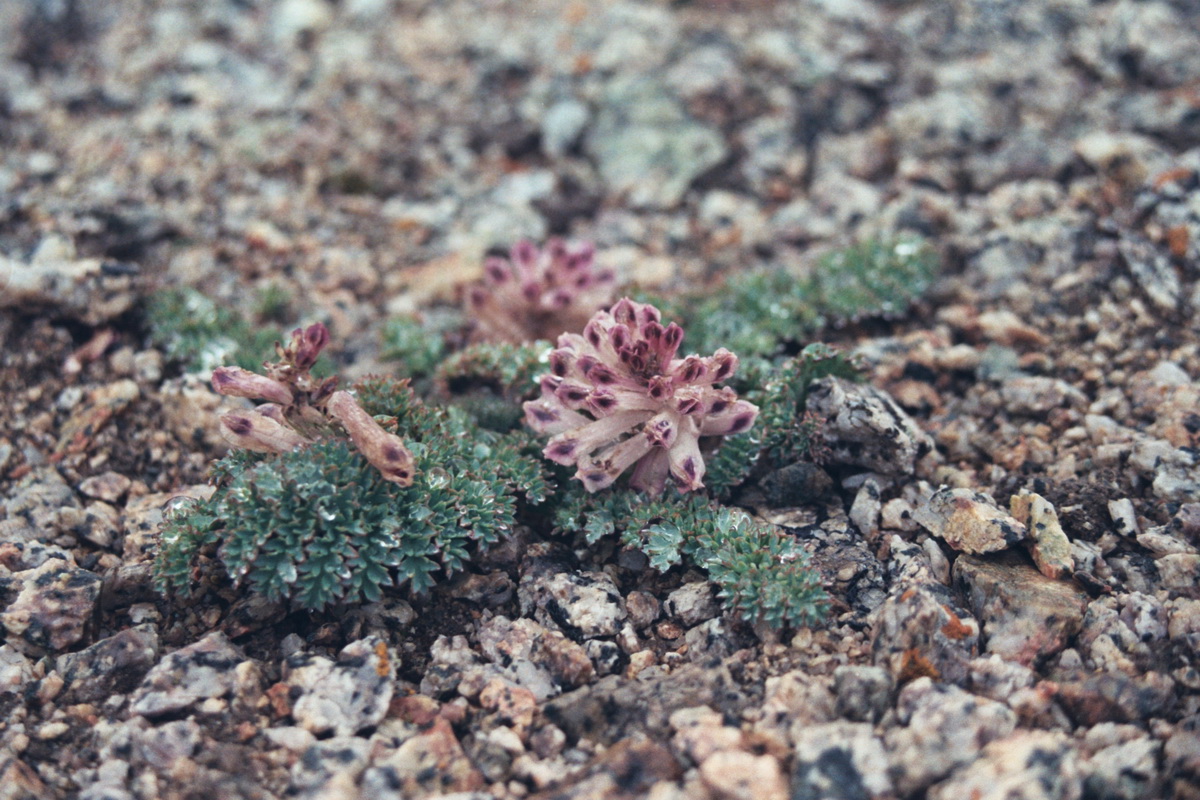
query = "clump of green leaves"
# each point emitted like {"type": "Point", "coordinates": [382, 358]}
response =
{"type": "Point", "coordinates": [762, 572]}
{"type": "Point", "coordinates": [783, 434]}
{"type": "Point", "coordinates": [417, 342]}
{"type": "Point", "coordinates": [873, 278]}
{"type": "Point", "coordinates": [189, 327]}
{"type": "Point", "coordinates": [491, 380]}
{"type": "Point", "coordinates": [319, 525]}
{"type": "Point", "coordinates": [763, 313]}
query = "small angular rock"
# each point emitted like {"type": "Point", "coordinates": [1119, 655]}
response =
{"type": "Point", "coordinates": [969, 521]}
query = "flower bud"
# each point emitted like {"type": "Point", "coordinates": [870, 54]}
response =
{"type": "Point", "coordinates": [238, 382]}
{"type": "Point", "coordinates": [385, 451]}
{"type": "Point", "coordinates": [252, 431]}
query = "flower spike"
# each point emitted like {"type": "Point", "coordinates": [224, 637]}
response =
{"type": "Point", "coordinates": [618, 397]}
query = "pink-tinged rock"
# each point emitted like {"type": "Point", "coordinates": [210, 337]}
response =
{"type": "Point", "coordinates": [969, 521]}
{"type": "Point", "coordinates": [738, 775]}
{"type": "Point", "coordinates": [1026, 616]}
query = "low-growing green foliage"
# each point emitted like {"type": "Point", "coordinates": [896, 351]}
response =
{"type": "Point", "coordinates": [490, 381]}
{"type": "Point", "coordinates": [761, 572]}
{"type": "Point", "coordinates": [762, 313]}
{"type": "Point", "coordinates": [189, 327]}
{"type": "Point", "coordinates": [783, 434]}
{"type": "Point", "coordinates": [417, 343]}
{"type": "Point", "coordinates": [319, 525]}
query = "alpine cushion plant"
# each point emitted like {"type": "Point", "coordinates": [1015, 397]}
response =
{"type": "Point", "coordinates": [537, 294]}
{"type": "Point", "coordinates": [617, 396]}
{"type": "Point", "coordinates": [300, 408]}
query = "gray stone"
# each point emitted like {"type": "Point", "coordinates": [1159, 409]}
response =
{"type": "Point", "coordinates": [1026, 616]}
{"type": "Point", "coordinates": [53, 607]}
{"type": "Point", "coordinates": [1125, 770]}
{"type": "Point", "coordinates": [918, 632]}
{"type": "Point", "coordinates": [646, 146]}
{"type": "Point", "coordinates": [612, 708]}
{"type": "Point", "coordinates": [863, 693]}
{"type": "Point", "coordinates": [1037, 395]}
{"type": "Point", "coordinates": [323, 762]}
{"type": "Point", "coordinates": [115, 665]}
{"type": "Point", "coordinates": [866, 428]}
{"type": "Point", "coordinates": [945, 728]}
{"type": "Point", "coordinates": [203, 670]}
{"type": "Point", "coordinates": [840, 761]}
{"type": "Point", "coordinates": [584, 604]}
{"type": "Point", "coordinates": [693, 603]}
{"type": "Point", "coordinates": [1028, 765]}
{"type": "Point", "coordinates": [90, 290]}
{"type": "Point", "coordinates": [346, 696]}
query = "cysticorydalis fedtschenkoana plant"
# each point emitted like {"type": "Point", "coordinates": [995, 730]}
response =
{"type": "Point", "coordinates": [618, 396]}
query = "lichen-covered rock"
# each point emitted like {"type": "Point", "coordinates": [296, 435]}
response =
{"type": "Point", "coordinates": [53, 607]}
{"type": "Point", "coordinates": [431, 763]}
{"type": "Point", "coordinates": [507, 643]}
{"type": "Point", "coordinates": [584, 604]}
{"type": "Point", "coordinates": [866, 428]}
{"type": "Point", "coordinates": [346, 696]}
{"type": "Point", "coordinates": [612, 708]}
{"type": "Point", "coordinates": [1026, 616]}
{"type": "Point", "coordinates": [969, 521]}
{"type": "Point", "coordinates": [326, 763]}
{"type": "Point", "coordinates": [90, 290]}
{"type": "Point", "coordinates": [114, 665]}
{"type": "Point", "coordinates": [1036, 394]}
{"type": "Point", "coordinates": [1028, 765]}
{"type": "Point", "coordinates": [1048, 544]}
{"type": "Point", "coordinates": [918, 632]}
{"type": "Point", "coordinates": [840, 761]}
{"type": "Point", "coordinates": [210, 668]}
{"type": "Point", "coordinates": [945, 728]}
{"type": "Point", "coordinates": [863, 692]}
{"type": "Point", "coordinates": [693, 603]}
{"type": "Point", "coordinates": [1123, 763]}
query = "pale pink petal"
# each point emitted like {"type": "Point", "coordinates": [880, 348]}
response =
{"type": "Point", "coordinates": [736, 418]}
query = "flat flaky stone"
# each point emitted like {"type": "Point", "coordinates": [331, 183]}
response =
{"type": "Point", "coordinates": [969, 521]}
{"type": "Point", "coordinates": [1025, 615]}
{"type": "Point", "coordinates": [865, 427]}
{"type": "Point", "coordinates": [346, 696]}
{"type": "Point", "coordinates": [1049, 545]}
{"type": "Point", "coordinates": [54, 605]}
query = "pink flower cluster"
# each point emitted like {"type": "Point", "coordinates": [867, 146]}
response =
{"type": "Point", "coordinates": [300, 407]}
{"type": "Point", "coordinates": [617, 396]}
{"type": "Point", "coordinates": [537, 294]}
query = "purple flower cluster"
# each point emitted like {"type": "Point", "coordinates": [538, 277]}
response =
{"type": "Point", "coordinates": [537, 294]}
{"type": "Point", "coordinates": [300, 407]}
{"type": "Point", "coordinates": [618, 397]}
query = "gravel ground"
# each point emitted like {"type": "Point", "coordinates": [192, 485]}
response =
{"type": "Point", "coordinates": [1013, 542]}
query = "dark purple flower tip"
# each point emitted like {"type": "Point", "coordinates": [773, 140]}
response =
{"type": "Point", "coordinates": [556, 248]}
{"type": "Point", "coordinates": [659, 387]}
{"type": "Point", "coordinates": [718, 405]}
{"type": "Point", "coordinates": [594, 480]}
{"type": "Point", "coordinates": [619, 338]}
{"type": "Point", "coordinates": [496, 270]}
{"type": "Point", "coordinates": [624, 312]}
{"type": "Point", "coordinates": [560, 363]}
{"type": "Point", "coordinates": [593, 333]}
{"type": "Point", "coordinates": [724, 365]}
{"type": "Point", "coordinates": [524, 253]}
{"type": "Point", "coordinates": [648, 314]}
{"type": "Point", "coordinates": [562, 451]}
{"type": "Point", "coordinates": [660, 433]}
{"type": "Point", "coordinates": [652, 332]}
{"type": "Point", "coordinates": [693, 370]}
{"type": "Point", "coordinates": [602, 403]}
{"type": "Point", "coordinates": [530, 290]}
{"type": "Point", "coordinates": [690, 469]}
{"type": "Point", "coordinates": [561, 299]}
{"type": "Point", "coordinates": [602, 375]}
{"type": "Point", "coordinates": [742, 422]}
{"type": "Point", "coordinates": [543, 414]}
{"type": "Point", "coordinates": [572, 394]}
{"type": "Point", "coordinates": [549, 383]}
